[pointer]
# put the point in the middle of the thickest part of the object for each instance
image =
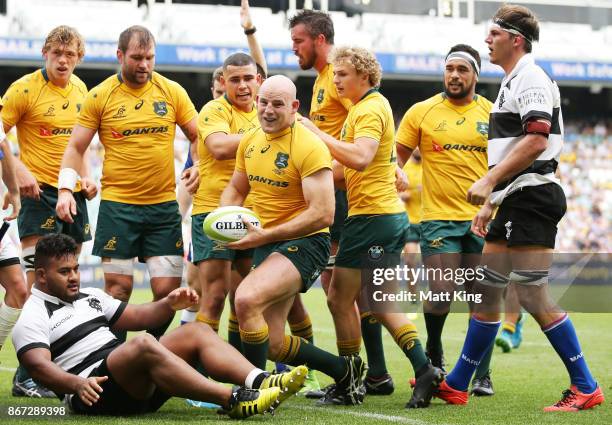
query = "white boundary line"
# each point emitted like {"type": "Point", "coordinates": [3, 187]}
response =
{"type": "Point", "coordinates": [370, 415]}
{"type": "Point", "coordinates": [8, 369]}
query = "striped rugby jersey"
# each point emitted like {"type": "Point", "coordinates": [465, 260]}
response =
{"type": "Point", "coordinates": [77, 334]}
{"type": "Point", "coordinates": [526, 92]}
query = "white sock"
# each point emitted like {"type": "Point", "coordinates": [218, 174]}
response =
{"type": "Point", "coordinates": [188, 316]}
{"type": "Point", "coordinates": [248, 382]}
{"type": "Point", "coordinates": [8, 318]}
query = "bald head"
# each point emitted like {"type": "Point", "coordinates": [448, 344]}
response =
{"type": "Point", "coordinates": [279, 84]}
{"type": "Point", "coordinates": [277, 104]}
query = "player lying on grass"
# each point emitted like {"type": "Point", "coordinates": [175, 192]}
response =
{"type": "Point", "coordinates": [64, 340]}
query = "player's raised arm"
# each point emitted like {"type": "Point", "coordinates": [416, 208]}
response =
{"type": "Point", "coordinates": [249, 30]}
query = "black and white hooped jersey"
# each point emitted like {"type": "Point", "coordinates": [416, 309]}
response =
{"type": "Point", "coordinates": [527, 92]}
{"type": "Point", "coordinates": [77, 334]}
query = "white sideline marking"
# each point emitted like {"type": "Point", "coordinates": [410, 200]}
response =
{"type": "Point", "coordinates": [370, 415]}
{"type": "Point", "coordinates": [8, 369]}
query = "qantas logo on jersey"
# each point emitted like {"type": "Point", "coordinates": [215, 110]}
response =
{"type": "Point", "coordinates": [268, 181]}
{"type": "Point", "coordinates": [45, 132]}
{"type": "Point", "coordinates": [136, 131]}
{"type": "Point", "coordinates": [468, 148]}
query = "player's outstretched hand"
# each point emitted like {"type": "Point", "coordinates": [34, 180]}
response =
{"type": "Point", "coordinates": [245, 15]}
{"type": "Point", "coordinates": [89, 389]}
{"type": "Point", "coordinates": [255, 237]}
{"type": "Point", "coordinates": [481, 220]}
{"type": "Point", "coordinates": [480, 191]}
{"type": "Point", "coordinates": [401, 180]}
{"type": "Point", "coordinates": [89, 187]}
{"type": "Point", "coordinates": [191, 179]}
{"type": "Point", "coordinates": [182, 298]}
{"type": "Point", "coordinates": [28, 186]}
{"type": "Point", "coordinates": [66, 206]}
{"type": "Point", "coordinates": [14, 200]}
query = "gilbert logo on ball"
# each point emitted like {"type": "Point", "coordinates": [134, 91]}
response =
{"type": "Point", "coordinates": [225, 224]}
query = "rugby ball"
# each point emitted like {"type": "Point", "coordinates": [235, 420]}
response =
{"type": "Point", "coordinates": [225, 223]}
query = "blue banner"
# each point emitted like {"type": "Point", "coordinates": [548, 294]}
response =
{"type": "Point", "coordinates": [17, 49]}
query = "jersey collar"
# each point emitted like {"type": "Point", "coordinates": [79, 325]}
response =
{"type": "Point", "coordinates": [369, 92]}
{"type": "Point", "coordinates": [527, 59]}
{"type": "Point", "coordinates": [43, 71]}
{"type": "Point", "coordinates": [281, 133]}
{"type": "Point", "coordinates": [47, 297]}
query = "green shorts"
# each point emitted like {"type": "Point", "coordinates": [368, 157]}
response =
{"type": "Point", "coordinates": [205, 248]}
{"type": "Point", "coordinates": [443, 237]}
{"type": "Point", "coordinates": [128, 230]}
{"type": "Point", "coordinates": [414, 233]}
{"type": "Point", "coordinates": [369, 237]}
{"type": "Point", "coordinates": [38, 217]}
{"type": "Point", "coordinates": [340, 215]}
{"type": "Point", "coordinates": [309, 255]}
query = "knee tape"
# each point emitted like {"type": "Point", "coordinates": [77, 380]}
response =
{"type": "Point", "coordinates": [119, 266]}
{"type": "Point", "coordinates": [492, 278]}
{"type": "Point", "coordinates": [165, 266]}
{"type": "Point", "coordinates": [529, 277]}
{"type": "Point", "coordinates": [27, 258]}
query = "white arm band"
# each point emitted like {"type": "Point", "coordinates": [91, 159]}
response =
{"type": "Point", "coordinates": [68, 178]}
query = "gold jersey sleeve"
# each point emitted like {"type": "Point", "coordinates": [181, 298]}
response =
{"type": "Point", "coordinates": [275, 165]}
{"type": "Point", "coordinates": [137, 128]}
{"type": "Point", "coordinates": [372, 191]}
{"type": "Point", "coordinates": [414, 172]}
{"type": "Point", "coordinates": [328, 110]}
{"type": "Point", "coordinates": [453, 144]}
{"type": "Point", "coordinates": [44, 115]}
{"type": "Point", "coordinates": [218, 116]}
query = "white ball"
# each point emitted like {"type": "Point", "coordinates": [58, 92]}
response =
{"type": "Point", "coordinates": [225, 223]}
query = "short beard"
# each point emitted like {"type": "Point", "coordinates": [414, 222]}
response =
{"type": "Point", "coordinates": [132, 77]}
{"type": "Point", "coordinates": [308, 64]}
{"type": "Point", "coordinates": [463, 93]}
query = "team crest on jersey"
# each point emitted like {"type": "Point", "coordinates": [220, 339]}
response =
{"type": "Point", "coordinates": [249, 152]}
{"type": "Point", "coordinates": [95, 304]}
{"type": "Point", "coordinates": [320, 95]}
{"type": "Point", "coordinates": [376, 251]}
{"type": "Point", "coordinates": [160, 108]}
{"type": "Point", "coordinates": [282, 160]}
{"type": "Point", "coordinates": [482, 127]}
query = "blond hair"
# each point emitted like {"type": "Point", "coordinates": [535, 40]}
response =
{"type": "Point", "coordinates": [364, 62]}
{"type": "Point", "coordinates": [64, 36]}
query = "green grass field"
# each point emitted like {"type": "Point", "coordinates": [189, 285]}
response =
{"type": "Point", "coordinates": [525, 381]}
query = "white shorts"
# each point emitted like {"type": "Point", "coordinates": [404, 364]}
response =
{"type": "Point", "coordinates": [9, 254]}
